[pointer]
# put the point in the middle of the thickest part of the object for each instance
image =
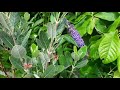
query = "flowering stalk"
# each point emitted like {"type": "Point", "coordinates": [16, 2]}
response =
{"type": "Point", "coordinates": [75, 35]}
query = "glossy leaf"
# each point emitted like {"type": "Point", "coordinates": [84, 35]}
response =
{"type": "Point", "coordinates": [110, 16]}
{"type": "Point", "coordinates": [108, 48]}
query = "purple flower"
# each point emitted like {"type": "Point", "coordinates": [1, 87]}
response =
{"type": "Point", "coordinates": [75, 35]}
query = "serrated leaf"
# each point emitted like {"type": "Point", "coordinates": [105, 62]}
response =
{"type": "Point", "coordinates": [108, 48]}
{"type": "Point", "coordinates": [25, 40]}
{"type": "Point", "coordinates": [82, 64]}
{"type": "Point", "coordinates": [18, 51]}
{"type": "Point", "coordinates": [16, 63]}
{"type": "Point", "coordinates": [7, 40]}
{"type": "Point", "coordinates": [109, 16]}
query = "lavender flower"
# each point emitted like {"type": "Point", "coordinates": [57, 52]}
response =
{"type": "Point", "coordinates": [75, 35]}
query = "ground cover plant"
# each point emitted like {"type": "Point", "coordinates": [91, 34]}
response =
{"type": "Point", "coordinates": [59, 45]}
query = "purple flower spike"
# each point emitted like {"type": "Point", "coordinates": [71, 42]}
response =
{"type": "Point", "coordinates": [75, 35]}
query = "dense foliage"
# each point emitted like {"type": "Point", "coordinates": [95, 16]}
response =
{"type": "Point", "coordinates": [59, 45]}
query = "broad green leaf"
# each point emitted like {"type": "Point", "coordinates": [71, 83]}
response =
{"type": "Point", "coordinates": [81, 17]}
{"type": "Point", "coordinates": [91, 26]}
{"type": "Point", "coordinates": [69, 39]}
{"type": "Point", "coordinates": [58, 69]}
{"type": "Point", "coordinates": [82, 64]}
{"type": "Point", "coordinates": [38, 22]}
{"type": "Point", "coordinates": [52, 71]}
{"type": "Point", "coordinates": [51, 30]}
{"type": "Point", "coordinates": [114, 25]}
{"type": "Point", "coordinates": [61, 26]}
{"type": "Point", "coordinates": [108, 48]}
{"type": "Point", "coordinates": [3, 21]}
{"type": "Point", "coordinates": [43, 41]}
{"type": "Point", "coordinates": [49, 72]}
{"type": "Point", "coordinates": [68, 59]}
{"type": "Point", "coordinates": [18, 51]}
{"type": "Point", "coordinates": [14, 19]}
{"type": "Point", "coordinates": [25, 40]}
{"type": "Point", "coordinates": [100, 26]}
{"type": "Point", "coordinates": [83, 29]}
{"type": "Point", "coordinates": [82, 51]}
{"type": "Point", "coordinates": [116, 74]}
{"type": "Point", "coordinates": [94, 49]}
{"type": "Point", "coordinates": [16, 63]}
{"type": "Point", "coordinates": [7, 40]}
{"type": "Point", "coordinates": [44, 59]}
{"type": "Point", "coordinates": [109, 16]}
{"type": "Point", "coordinates": [75, 56]}
{"type": "Point", "coordinates": [26, 16]}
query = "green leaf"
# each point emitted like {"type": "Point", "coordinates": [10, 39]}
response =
{"type": "Point", "coordinates": [116, 74]}
{"type": "Point", "coordinates": [25, 40]}
{"type": "Point", "coordinates": [52, 71]}
{"type": "Point", "coordinates": [16, 63]}
{"type": "Point", "coordinates": [109, 16]}
{"type": "Point", "coordinates": [61, 26]}
{"type": "Point", "coordinates": [34, 50]}
{"type": "Point", "coordinates": [69, 39]}
{"type": "Point", "coordinates": [94, 49]}
{"type": "Point", "coordinates": [26, 16]}
{"type": "Point", "coordinates": [108, 48]}
{"type": "Point", "coordinates": [7, 40]}
{"type": "Point", "coordinates": [52, 19]}
{"type": "Point", "coordinates": [38, 22]}
{"type": "Point", "coordinates": [51, 30]}
{"type": "Point", "coordinates": [18, 51]}
{"type": "Point", "coordinates": [118, 63]}
{"type": "Point", "coordinates": [114, 25]}
{"type": "Point", "coordinates": [82, 51]}
{"type": "Point", "coordinates": [14, 19]}
{"type": "Point", "coordinates": [82, 64]}
{"type": "Point", "coordinates": [100, 26]}
{"type": "Point", "coordinates": [83, 29]}
{"type": "Point", "coordinates": [3, 21]}
{"type": "Point", "coordinates": [91, 26]}
{"type": "Point", "coordinates": [43, 41]}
